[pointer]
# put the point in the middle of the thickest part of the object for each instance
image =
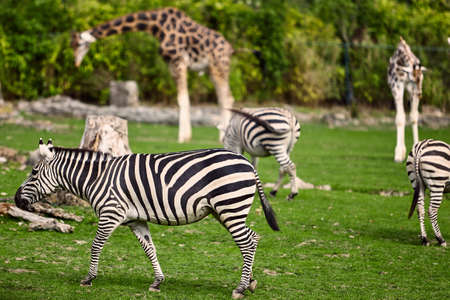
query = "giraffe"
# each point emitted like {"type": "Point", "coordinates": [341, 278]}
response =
{"type": "Point", "coordinates": [405, 71]}
{"type": "Point", "coordinates": [183, 44]}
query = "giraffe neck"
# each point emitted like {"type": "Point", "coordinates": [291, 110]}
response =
{"type": "Point", "coordinates": [156, 22]}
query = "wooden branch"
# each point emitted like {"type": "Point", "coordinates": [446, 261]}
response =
{"type": "Point", "coordinates": [38, 222]}
{"type": "Point", "coordinates": [45, 208]}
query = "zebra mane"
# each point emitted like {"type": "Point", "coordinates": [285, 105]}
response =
{"type": "Point", "coordinates": [257, 120]}
{"type": "Point", "coordinates": [78, 150]}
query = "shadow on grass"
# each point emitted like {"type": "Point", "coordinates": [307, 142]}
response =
{"type": "Point", "coordinates": [181, 283]}
{"type": "Point", "coordinates": [396, 235]}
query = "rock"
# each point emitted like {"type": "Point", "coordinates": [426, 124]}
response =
{"type": "Point", "coordinates": [123, 93]}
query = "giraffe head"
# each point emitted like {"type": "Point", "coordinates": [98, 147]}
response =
{"type": "Point", "coordinates": [409, 64]}
{"type": "Point", "coordinates": [80, 44]}
{"type": "Point", "coordinates": [417, 75]}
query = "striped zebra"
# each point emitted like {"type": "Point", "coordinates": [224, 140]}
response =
{"type": "Point", "coordinates": [428, 166]}
{"type": "Point", "coordinates": [262, 132]}
{"type": "Point", "coordinates": [168, 189]}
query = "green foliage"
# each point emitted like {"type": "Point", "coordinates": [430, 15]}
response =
{"type": "Point", "coordinates": [349, 243]}
{"type": "Point", "coordinates": [300, 41]}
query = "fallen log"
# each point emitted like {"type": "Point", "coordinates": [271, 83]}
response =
{"type": "Point", "coordinates": [36, 222]}
{"type": "Point", "coordinates": [46, 208]}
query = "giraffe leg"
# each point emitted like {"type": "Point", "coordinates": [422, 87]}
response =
{"type": "Point", "coordinates": [414, 116]}
{"type": "Point", "coordinates": [435, 203]}
{"type": "Point", "coordinates": [106, 226]}
{"type": "Point", "coordinates": [140, 230]}
{"type": "Point", "coordinates": [219, 76]}
{"type": "Point", "coordinates": [400, 149]}
{"type": "Point", "coordinates": [179, 72]}
{"type": "Point", "coordinates": [421, 216]}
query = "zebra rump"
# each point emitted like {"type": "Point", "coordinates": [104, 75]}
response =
{"type": "Point", "coordinates": [258, 120]}
{"type": "Point", "coordinates": [428, 166]}
{"type": "Point", "coordinates": [263, 132]}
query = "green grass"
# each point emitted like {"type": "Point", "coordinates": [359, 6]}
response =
{"type": "Point", "coordinates": [346, 243]}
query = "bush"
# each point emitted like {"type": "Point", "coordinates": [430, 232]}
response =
{"type": "Point", "coordinates": [300, 41]}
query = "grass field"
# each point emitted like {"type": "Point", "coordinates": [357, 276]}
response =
{"type": "Point", "coordinates": [349, 243]}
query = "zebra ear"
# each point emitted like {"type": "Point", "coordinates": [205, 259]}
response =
{"type": "Point", "coordinates": [50, 143]}
{"type": "Point", "coordinates": [44, 151]}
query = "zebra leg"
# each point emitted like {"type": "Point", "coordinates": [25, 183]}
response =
{"type": "Point", "coordinates": [106, 226]}
{"type": "Point", "coordinates": [253, 282]}
{"type": "Point", "coordinates": [140, 229]}
{"type": "Point", "coordinates": [254, 161]}
{"type": "Point", "coordinates": [421, 215]}
{"type": "Point", "coordinates": [277, 185]}
{"type": "Point", "coordinates": [292, 176]}
{"type": "Point", "coordinates": [247, 240]}
{"type": "Point", "coordinates": [435, 203]}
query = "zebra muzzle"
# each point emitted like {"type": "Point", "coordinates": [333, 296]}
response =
{"type": "Point", "coordinates": [21, 202]}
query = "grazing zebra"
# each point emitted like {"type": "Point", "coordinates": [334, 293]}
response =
{"type": "Point", "coordinates": [428, 166]}
{"type": "Point", "coordinates": [263, 132]}
{"type": "Point", "coordinates": [168, 189]}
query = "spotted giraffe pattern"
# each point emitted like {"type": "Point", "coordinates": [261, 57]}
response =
{"type": "Point", "coordinates": [405, 72]}
{"type": "Point", "coordinates": [183, 43]}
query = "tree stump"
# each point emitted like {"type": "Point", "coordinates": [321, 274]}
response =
{"type": "Point", "coordinates": [108, 134]}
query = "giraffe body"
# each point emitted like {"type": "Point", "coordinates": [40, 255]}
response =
{"type": "Point", "coordinates": [405, 72]}
{"type": "Point", "coordinates": [184, 44]}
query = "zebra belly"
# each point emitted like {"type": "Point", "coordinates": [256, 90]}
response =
{"type": "Point", "coordinates": [154, 214]}
{"type": "Point", "coordinates": [257, 150]}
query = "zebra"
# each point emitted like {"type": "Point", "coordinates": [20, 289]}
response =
{"type": "Point", "coordinates": [428, 166]}
{"type": "Point", "coordinates": [263, 132]}
{"type": "Point", "coordinates": [168, 189]}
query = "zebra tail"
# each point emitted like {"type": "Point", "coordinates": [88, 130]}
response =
{"type": "Point", "coordinates": [257, 120]}
{"type": "Point", "coordinates": [268, 211]}
{"type": "Point", "coordinates": [414, 202]}
{"type": "Point", "coordinates": [417, 157]}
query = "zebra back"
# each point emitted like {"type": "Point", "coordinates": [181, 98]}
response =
{"type": "Point", "coordinates": [259, 121]}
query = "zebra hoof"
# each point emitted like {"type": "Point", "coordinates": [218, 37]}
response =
{"type": "Point", "coordinates": [237, 295]}
{"type": "Point", "coordinates": [425, 241]}
{"type": "Point", "coordinates": [252, 286]}
{"type": "Point", "coordinates": [154, 289]}
{"type": "Point", "coordinates": [442, 243]}
{"type": "Point", "coordinates": [291, 196]}
{"type": "Point", "coordinates": [86, 282]}
{"type": "Point", "coordinates": [273, 193]}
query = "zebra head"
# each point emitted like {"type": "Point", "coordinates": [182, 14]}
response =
{"type": "Point", "coordinates": [40, 182]}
